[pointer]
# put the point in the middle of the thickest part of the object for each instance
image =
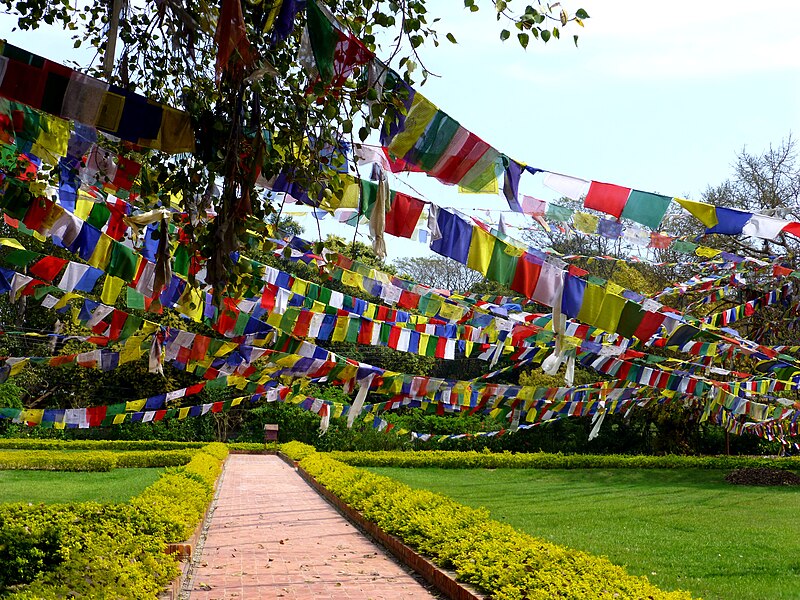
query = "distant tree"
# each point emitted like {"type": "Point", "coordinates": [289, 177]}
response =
{"type": "Point", "coordinates": [357, 251]}
{"type": "Point", "coordinates": [438, 272]}
{"type": "Point", "coordinates": [766, 183]}
{"type": "Point", "coordinates": [286, 224]}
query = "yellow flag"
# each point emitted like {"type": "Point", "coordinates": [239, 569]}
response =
{"type": "Point", "coordinates": [480, 250]}
{"type": "Point", "coordinates": [492, 187]}
{"type": "Point", "coordinates": [419, 116]}
{"type": "Point", "coordinates": [101, 255]}
{"type": "Point", "coordinates": [11, 243]}
{"type": "Point", "coordinates": [112, 286]}
{"type": "Point", "coordinates": [706, 213]}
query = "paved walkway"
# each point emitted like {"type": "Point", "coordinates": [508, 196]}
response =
{"type": "Point", "coordinates": [272, 536]}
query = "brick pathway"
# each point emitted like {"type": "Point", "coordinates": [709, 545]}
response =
{"type": "Point", "coordinates": [273, 536]}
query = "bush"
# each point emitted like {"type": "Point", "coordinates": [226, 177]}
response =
{"type": "Point", "coordinates": [253, 447]}
{"type": "Point", "coordinates": [91, 550]}
{"type": "Point", "coordinates": [84, 550]}
{"type": "Point", "coordinates": [474, 460]}
{"type": "Point", "coordinates": [153, 458]}
{"type": "Point", "coordinates": [493, 556]}
{"type": "Point", "coordinates": [100, 460]}
{"type": "Point", "coordinates": [54, 460]}
{"type": "Point", "coordinates": [115, 445]}
{"type": "Point", "coordinates": [297, 450]}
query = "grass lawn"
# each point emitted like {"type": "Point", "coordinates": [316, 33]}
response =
{"type": "Point", "coordinates": [683, 529]}
{"type": "Point", "coordinates": [117, 485]}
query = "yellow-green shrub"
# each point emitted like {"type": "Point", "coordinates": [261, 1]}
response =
{"type": "Point", "coordinates": [153, 458]}
{"type": "Point", "coordinates": [505, 563]}
{"type": "Point", "coordinates": [84, 550]}
{"type": "Point", "coordinates": [56, 460]}
{"type": "Point", "coordinates": [252, 446]}
{"type": "Point", "coordinates": [91, 550]}
{"type": "Point", "coordinates": [93, 460]}
{"type": "Point", "coordinates": [297, 450]}
{"type": "Point", "coordinates": [444, 459]}
{"type": "Point", "coordinates": [216, 449]}
{"type": "Point", "coordinates": [116, 445]}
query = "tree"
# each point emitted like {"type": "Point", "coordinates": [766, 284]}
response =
{"type": "Point", "coordinates": [766, 183]}
{"type": "Point", "coordinates": [438, 272]}
{"type": "Point", "coordinates": [256, 108]}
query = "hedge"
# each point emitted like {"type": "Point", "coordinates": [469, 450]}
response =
{"type": "Point", "coordinates": [91, 550]}
{"type": "Point", "coordinates": [54, 460]}
{"type": "Point", "coordinates": [297, 450]}
{"type": "Point", "coordinates": [252, 447]}
{"type": "Point", "coordinates": [443, 459]}
{"type": "Point", "coordinates": [98, 460]}
{"type": "Point", "coordinates": [116, 445]}
{"type": "Point", "coordinates": [503, 562]}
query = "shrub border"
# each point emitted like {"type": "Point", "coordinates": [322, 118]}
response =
{"type": "Point", "coordinates": [209, 471]}
{"type": "Point", "coordinates": [447, 459]}
{"type": "Point", "coordinates": [186, 559]}
{"type": "Point", "coordinates": [441, 580]}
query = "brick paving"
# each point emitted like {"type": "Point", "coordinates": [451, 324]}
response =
{"type": "Point", "coordinates": [273, 536]}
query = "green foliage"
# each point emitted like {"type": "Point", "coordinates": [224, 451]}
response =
{"type": "Point", "coordinates": [540, 460]}
{"type": "Point", "coordinates": [11, 395]}
{"type": "Point", "coordinates": [293, 422]}
{"type": "Point", "coordinates": [91, 550]}
{"type": "Point", "coordinates": [498, 559]}
{"type": "Point", "coordinates": [51, 460]}
{"type": "Point", "coordinates": [361, 436]}
{"type": "Point", "coordinates": [252, 447]}
{"type": "Point", "coordinates": [91, 460]}
{"type": "Point", "coordinates": [113, 445]}
{"type": "Point", "coordinates": [683, 528]}
{"type": "Point", "coordinates": [297, 450]}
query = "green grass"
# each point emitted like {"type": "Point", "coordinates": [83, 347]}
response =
{"type": "Point", "coordinates": [117, 485]}
{"type": "Point", "coordinates": [683, 529]}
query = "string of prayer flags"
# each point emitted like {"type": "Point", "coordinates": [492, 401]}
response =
{"type": "Point", "coordinates": [56, 89]}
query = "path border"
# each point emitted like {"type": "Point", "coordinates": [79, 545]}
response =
{"type": "Point", "coordinates": [444, 582]}
{"type": "Point", "coordinates": [180, 587]}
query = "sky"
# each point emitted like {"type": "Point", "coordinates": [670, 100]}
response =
{"type": "Point", "coordinates": [657, 96]}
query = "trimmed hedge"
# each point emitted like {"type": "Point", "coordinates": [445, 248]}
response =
{"type": "Point", "coordinates": [153, 458]}
{"type": "Point", "coordinates": [116, 445]}
{"type": "Point", "coordinates": [493, 556]}
{"type": "Point", "coordinates": [297, 450]}
{"type": "Point", "coordinates": [443, 459]}
{"type": "Point", "coordinates": [91, 550]}
{"type": "Point", "coordinates": [99, 460]}
{"type": "Point", "coordinates": [252, 447]}
{"type": "Point", "coordinates": [54, 460]}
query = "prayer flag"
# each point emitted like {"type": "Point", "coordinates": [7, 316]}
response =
{"type": "Point", "coordinates": [402, 218]}
{"type": "Point", "coordinates": [571, 187]}
{"type": "Point", "coordinates": [729, 221]}
{"type": "Point", "coordinates": [607, 198]}
{"type": "Point", "coordinates": [646, 208]}
{"type": "Point", "coordinates": [480, 250]}
{"type": "Point", "coordinates": [456, 236]}
{"type": "Point", "coordinates": [433, 142]}
{"type": "Point", "coordinates": [705, 213]}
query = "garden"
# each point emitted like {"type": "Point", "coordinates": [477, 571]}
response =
{"type": "Point", "coordinates": [593, 395]}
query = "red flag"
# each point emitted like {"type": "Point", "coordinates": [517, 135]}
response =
{"type": "Point", "coordinates": [231, 36]}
